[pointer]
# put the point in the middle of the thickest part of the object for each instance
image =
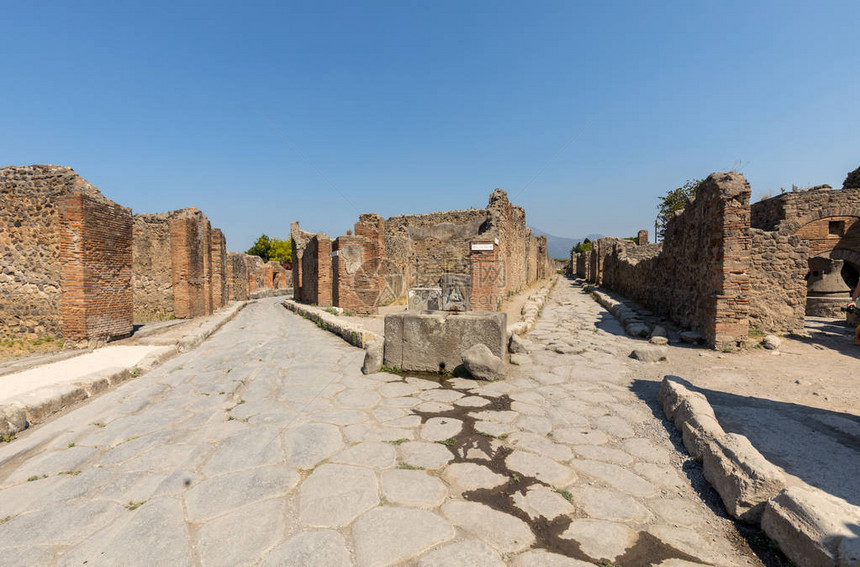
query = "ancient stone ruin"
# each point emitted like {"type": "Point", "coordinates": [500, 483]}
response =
{"type": "Point", "coordinates": [77, 265]}
{"type": "Point", "coordinates": [726, 267]}
{"type": "Point", "coordinates": [66, 264]}
{"type": "Point", "coordinates": [466, 260]}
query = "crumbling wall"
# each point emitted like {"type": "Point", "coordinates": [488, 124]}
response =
{"type": "Point", "coordinates": [778, 264]}
{"type": "Point", "coordinates": [65, 268]}
{"type": "Point", "coordinates": [424, 247]}
{"type": "Point", "coordinates": [152, 267]}
{"type": "Point", "coordinates": [218, 253]}
{"type": "Point", "coordinates": [316, 271]}
{"type": "Point", "coordinates": [700, 276]}
{"type": "Point", "coordinates": [237, 277]}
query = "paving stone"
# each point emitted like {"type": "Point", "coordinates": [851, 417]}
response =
{"type": "Point", "coordinates": [369, 454]}
{"type": "Point", "coordinates": [153, 534]}
{"type": "Point", "coordinates": [433, 407]}
{"type": "Point", "coordinates": [580, 436]}
{"type": "Point", "coordinates": [518, 359]}
{"type": "Point", "coordinates": [472, 402]}
{"type": "Point", "coordinates": [540, 445]}
{"type": "Point", "coordinates": [543, 558]}
{"type": "Point", "coordinates": [52, 463]}
{"type": "Point", "coordinates": [221, 494]}
{"type": "Point", "coordinates": [387, 535]}
{"type": "Point", "coordinates": [470, 476]}
{"type": "Point", "coordinates": [677, 511]}
{"type": "Point", "coordinates": [341, 416]}
{"type": "Point", "coordinates": [503, 532]}
{"type": "Point", "coordinates": [469, 553]}
{"type": "Point", "coordinates": [603, 504]}
{"type": "Point", "coordinates": [307, 445]}
{"type": "Point", "coordinates": [440, 395]}
{"type": "Point", "coordinates": [66, 525]}
{"type": "Point", "coordinates": [29, 555]}
{"type": "Point", "coordinates": [616, 477]}
{"type": "Point", "coordinates": [528, 409]}
{"type": "Point", "coordinates": [441, 428]}
{"type": "Point", "coordinates": [599, 539]}
{"type": "Point", "coordinates": [245, 449]}
{"type": "Point", "coordinates": [311, 549]}
{"type": "Point", "coordinates": [684, 539]}
{"type": "Point", "coordinates": [360, 432]}
{"type": "Point", "coordinates": [541, 501]}
{"type": "Point", "coordinates": [217, 541]}
{"type": "Point", "coordinates": [660, 475]}
{"type": "Point", "coordinates": [505, 416]}
{"type": "Point", "coordinates": [401, 402]}
{"type": "Point", "coordinates": [423, 383]}
{"type": "Point", "coordinates": [413, 488]}
{"type": "Point", "coordinates": [357, 399]}
{"type": "Point", "coordinates": [385, 413]}
{"type": "Point", "coordinates": [647, 451]}
{"type": "Point", "coordinates": [334, 495]}
{"type": "Point", "coordinates": [539, 425]}
{"type": "Point", "coordinates": [398, 389]}
{"type": "Point", "coordinates": [614, 426]}
{"type": "Point", "coordinates": [540, 467]}
{"type": "Point", "coordinates": [405, 421]}
{"type": "Point", "coordinates": [600, 453]}
{"type": "Point", "coordinates": [493, 428]}
{"type": "Point", "coordinates": [426, 455]}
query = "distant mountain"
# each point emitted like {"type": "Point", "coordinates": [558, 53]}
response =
{"type": "Point", "coordinates": [559, 246]}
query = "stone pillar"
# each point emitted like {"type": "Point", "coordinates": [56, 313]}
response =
{"type": "Point", "coordinates": [642, 238]}
{"type": "Point", "coordinates": [488, 276]}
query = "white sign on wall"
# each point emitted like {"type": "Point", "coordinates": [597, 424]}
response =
{"type": "Point", "coordinates": [482, 246]}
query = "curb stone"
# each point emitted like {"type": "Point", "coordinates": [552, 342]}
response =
{"type": "Point", "coordinates": [809, 525]}
{"type": "Point", "coordinates": [351, 333]}
{"type": "Point", "coordinates": [531, 309]}
{"type": "Point", "coordinates": [31, 408]}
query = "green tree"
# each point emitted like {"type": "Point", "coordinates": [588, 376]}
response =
{"type": "Point", "coordinates": [261, 248]}
{"type": "Point", "coordinates": [583, 247]}
{"type": "Point", "coordinates": [281, 251]}
{"type": "Point", "coordinates": [674, 200]}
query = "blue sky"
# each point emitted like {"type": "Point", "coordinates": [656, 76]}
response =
{"type": "Point", "coordinates": [260, 113]}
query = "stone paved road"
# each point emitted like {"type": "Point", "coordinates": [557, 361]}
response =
{"type": "Point", "coordinates": [267, 446]}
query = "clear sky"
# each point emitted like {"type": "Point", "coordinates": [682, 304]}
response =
{"type": "Point", "coordinates": [260, 113]}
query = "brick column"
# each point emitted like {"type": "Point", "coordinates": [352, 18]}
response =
{"type": "Point", "coordinates": [488, 276]}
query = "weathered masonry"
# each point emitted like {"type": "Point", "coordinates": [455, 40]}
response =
{"type": "Point", "coordinates": [453, 260]}
{"type": "Point", "coordinates": [65, 269]}
{"type": "Point", "coordinates": [76, 265]}
{"type": "Point", "coordinates": [725, 267]}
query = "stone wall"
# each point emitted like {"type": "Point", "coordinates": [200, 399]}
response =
{"type": "Point", "coordinates": [65, 269]}
{"type": "Point", "coordinates": [237, 277]}
{"type": "Point", "coordinates": [827, 222]}
{"type": "Point", "coordinates": [218, 253]}
{"type": "Point", "coordinates": [384, 259]}
{"type": "Point", "coordinates": [699, 276]}
{"type": "Point", "coordinates": [778, 265]}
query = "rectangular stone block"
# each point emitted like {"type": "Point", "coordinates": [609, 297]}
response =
{"type": "Point", "coordinates": [424, 299]}
{"type": "Point", "coordinates": [744, 479]}
{"type": "Point", "coordinates": [433, 342]}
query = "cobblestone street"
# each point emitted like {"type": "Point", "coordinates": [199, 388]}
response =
{"type": "Point", "coordinates": [267, 446]}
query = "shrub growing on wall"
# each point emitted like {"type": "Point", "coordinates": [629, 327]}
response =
{"type": "Point", "coordinates": [674, 201]}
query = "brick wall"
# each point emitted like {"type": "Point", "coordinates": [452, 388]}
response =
{"type": "Point", "coordinates": [96, 259]}
{"type": "Point", "coordinates": [488, 276]}
{"type": "Point", "coordinates": [189, 248]}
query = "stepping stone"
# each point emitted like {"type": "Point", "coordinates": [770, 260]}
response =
{"type": "Point", "coordinates": [334, 495]}
{"type": "Point", "coordinates": [388, 535]}
{"type": "Point", "coordinates": [504, 532]}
